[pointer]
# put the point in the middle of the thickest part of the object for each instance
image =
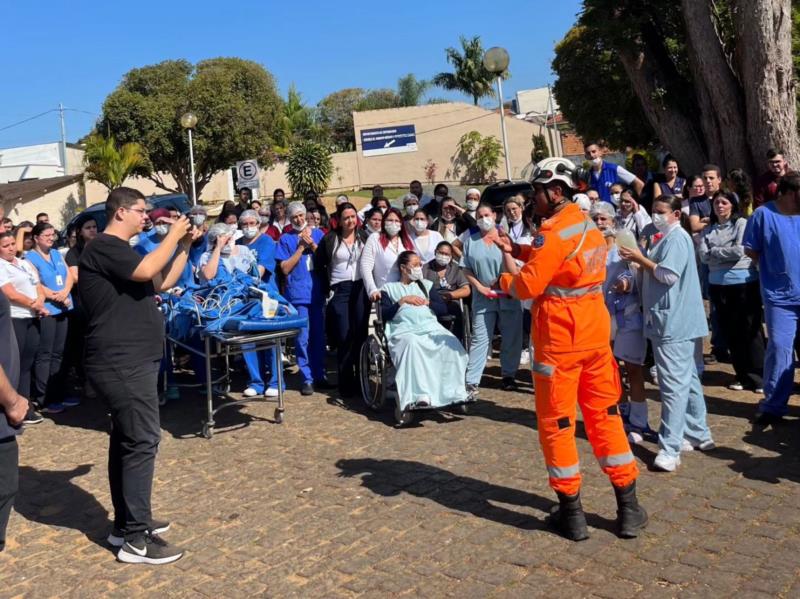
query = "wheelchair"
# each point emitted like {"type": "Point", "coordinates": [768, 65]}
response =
{"type": "Point", "coordinates": [377, 372]}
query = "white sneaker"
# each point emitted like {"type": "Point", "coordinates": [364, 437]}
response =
{"type": "Point", "coordinates": [737, 386]}
{"type": "Point", "coordinates": [250, 392]}
{"type": "Point", "coordinates": [271, 392]}
{"type": "Point", "coordinates": [686, 446]}
{"type": "Point", "coordinates": [666, 463]}
{"type": "Point", "coordinates": [525, 358]}
{"type": "Point", "coordinates": [708, 445]}
{"type": "Point", "coordinates": [654, 375]}
{"type": "Point", "coordinates": [635, 438]}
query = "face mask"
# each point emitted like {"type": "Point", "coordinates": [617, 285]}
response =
{"type": "Point", "coordinates": [148, 226]}
{"type": "Point", "coordinates": [162, 230]}
{"type": "Point", "coordinates": [134, 240]}
{"type": "Point", "coordinates": [448, 218]}
{"type": "Point", "coordinates": [615, 198]}
{"type": "Point", "coordinates": [660, 222]}
{"type": "Point", "coordinates": [393, 228]}
{"type": "Point", "coordinates": [420, 225]}
{"type": "Point", "coordinates": [249, 232]}
{"type": "Point", "coordinates": [371, 229]}
{"type": "Point", "coordinates": [383, 210]}
{"type": "Point", "coordinates": [198, 220]}
{"type": "Point", "coordinates": [442, 259]}
{"type": "Point", "coordinates": [298, 229]}
{"type": "Point", "coordinates": [485, 223]}
{"type": "Point", "coordinates": [410, 210]}
{"type": "Point", "coordinates": [415, 273]}
{"type": "Point", "coordinates": [472, 205]}
{"type": "Point", "coordinates": [440, 197]}
{"type": "Point", "coordinates": [597, 161]}
{"type": "Point", "coordinates": [226, 250]}
{"type": "Point", "coordinates": [514, 221]}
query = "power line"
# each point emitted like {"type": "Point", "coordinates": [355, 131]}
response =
{"type": "Point", "coordinates": [28, 119]}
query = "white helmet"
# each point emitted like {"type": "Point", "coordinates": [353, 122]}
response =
{"type": "Point", "coordinates": [555, 169]}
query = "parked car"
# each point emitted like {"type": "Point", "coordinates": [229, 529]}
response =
{"type": "Point", "coordinates": [497, 193]}
{"type": "Point", "coordinates": [97, 212]}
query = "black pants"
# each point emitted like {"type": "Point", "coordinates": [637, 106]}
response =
{"type": "Point", "coordinates": [9, 482]}
{"type": "Point", "coordinates": [27, 332]}
{"type": "Point", "coordinates": [740, 315]}
{"type": "Point", "coordinates": [131, 396]}
{"type": "Point", "coordinates": [456, 326]}
{"type": "Point", "coordinates": [350, 308]}
{"type": "Point", "coordinates": [76, 339]}
{"type": "Point", "coordinates": [48, 379]}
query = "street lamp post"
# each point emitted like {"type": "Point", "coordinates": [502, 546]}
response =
{"type": "Point", "coordinates": [189, 122]}
{"type": "Point", "coordinates": [496, 61]}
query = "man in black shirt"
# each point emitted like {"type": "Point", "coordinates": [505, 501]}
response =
{"type": "Point", "coordinates": [124, 345]}
{"type": "Point", "coordinates": [13, 408]}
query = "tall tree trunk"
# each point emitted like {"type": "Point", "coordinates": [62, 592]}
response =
{"type": "Point", "coordinates": [719, 93]}
{"type": "Point", "coordinates": [764, 40]}
{"type": "Point", "coordinates": [676, 131]}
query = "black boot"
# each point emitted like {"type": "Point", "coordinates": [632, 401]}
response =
{"type": "Point", "coordinates": [631, 517]}
{"type": "Point", "coordinates": [568, 518]}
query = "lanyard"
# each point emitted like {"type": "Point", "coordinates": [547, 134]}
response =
{"type": "Point", "coordinates": [516, 236]}
{"type": "Point", "coordinates": [25, 271]}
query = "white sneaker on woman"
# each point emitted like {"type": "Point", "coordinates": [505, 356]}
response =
{"type": "Point", "coordinates": [666, 462]}
{"type": "Point", "coordinates": [250, 392]}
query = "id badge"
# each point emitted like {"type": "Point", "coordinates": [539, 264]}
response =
{"type": "Point", "coordinates": [59, 280]}
{"type": "Point", "coordinates": [309, 262]}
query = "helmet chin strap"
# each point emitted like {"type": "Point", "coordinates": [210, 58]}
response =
{"type": "Point", "coordinates": [552, 204]}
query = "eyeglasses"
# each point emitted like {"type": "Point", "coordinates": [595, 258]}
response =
{"type": "Point", "coordinates": [139, 210]}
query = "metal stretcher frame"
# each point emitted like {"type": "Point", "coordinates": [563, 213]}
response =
{"type": "Point", "coordinates": [224, 345]}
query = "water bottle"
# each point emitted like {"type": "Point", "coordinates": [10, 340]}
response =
{"type": "Point", "coordinates": [625, 239]}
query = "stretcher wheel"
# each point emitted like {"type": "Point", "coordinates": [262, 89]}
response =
{"type": "Point", "coordinates": [278, 416]}
{"type": "Point", "coordinates": [208, 430]}
{"type": "Point", "coordinates": [403, 417]}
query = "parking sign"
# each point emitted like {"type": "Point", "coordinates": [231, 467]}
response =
{"type": "Point", "coordinates": [247, 173]}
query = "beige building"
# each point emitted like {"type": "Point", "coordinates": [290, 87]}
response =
{"type": "Point", "coordinates": [60, 197]}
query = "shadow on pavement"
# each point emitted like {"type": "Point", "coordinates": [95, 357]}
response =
{"type": "Point", "coordinates": [460, 493]}
{"type": "Point", "coordinates": [781, 439]}
{"type": "Point", "coordinates": [50, 497]}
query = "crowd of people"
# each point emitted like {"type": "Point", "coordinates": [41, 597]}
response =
{"type": "Point", "coordinates": [669, 242]}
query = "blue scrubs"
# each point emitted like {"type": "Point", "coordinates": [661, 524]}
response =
{"type": "Point", "coordinates": [674, 320]}
{"type": "Point", "coordinates": [775, 237]}
{"type": "Point", "coordinates": [304, 291]}
{"type": "Point", "coordinates": [263, 248]}
{"type": "Point", "coordinates": [486, 263]}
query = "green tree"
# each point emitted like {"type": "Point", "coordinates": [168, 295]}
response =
{"type": "Point", "coordinates": [411, 90]}
{"type": "Point", "coordinates": [710, 77]}
{"type": "Point", "coordinates": [478, 157]}
{"type": "Point", "coordinates": [469, 76]}
{"type": "Point", "coordinates": [237, 106]}
{"type": "Point", "coordinates": [309, 167]}
{"type": "Point", "coordinates": [540, 150]}
{"type": "Point", "coordinates": [335, 115]}
{"type": "Point", "coordinates": [110, 165]}
{"type": "Point", "coordinates": [297, 122]}
{"type": "Point", "coordinates": [378, 99]}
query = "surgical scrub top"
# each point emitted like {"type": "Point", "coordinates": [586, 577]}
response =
{"type": "Point", "coordinates": [674, 312]}
{"type": "Point", "coordinates": [486, 263]}
{"type": "Point", "coordinates": [263, 248]}
{"type": "Point", "coordinates": [147, 242]}
{"type": "Point", "coordinates": [776, 238]}
{"type": "Point", "coordinates": [53, 275]}
{"type": "Point", "coordinates": [302, 286]}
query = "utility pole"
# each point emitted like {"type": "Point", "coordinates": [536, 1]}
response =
{"type": "Point", "coordinates": [63, 137]}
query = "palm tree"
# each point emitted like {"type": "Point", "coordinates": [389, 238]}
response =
{"type": "Point", "coordinates": [410, 90]}
{"type": "Point", "coordinates": [109, 165]}
{"type": "Point", "coordinates": [469, 76]}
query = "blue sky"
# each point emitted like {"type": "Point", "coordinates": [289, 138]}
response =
{"type": "Point", "coordinates": [76, 52]}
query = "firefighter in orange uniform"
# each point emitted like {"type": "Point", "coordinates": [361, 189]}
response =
{"type": "Point", "coordinates": [564, 270]}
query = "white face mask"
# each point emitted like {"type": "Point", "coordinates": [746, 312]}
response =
{"type": "Point", "coordinates": [443, 260]}
{"type": "Point", "coordinates": [226, 250]}
{"type": "Point", "coordinates": [514, 221]}
{"type": "Point", "coordinates": [134, 240]}
{"type": "Point", "coordinates": [162, 230]}
{"type": "Point", "coordinates": [609, 232]}
{"type": "Point", "coordinates": [415, 273]}
{"type": "Point", "coordinates": [393, 228]}
{"type": "Point", "coordinates": [198, 220]}
{"type": "Point", "coordinates": [298, 229]}
{"type": "Point", "coordinates": [419, 225]}
{"type": "Point", "coordinates": [448, 218]}
{"type": "Point", "coordinates": [485, 223]}
{"type": "Point", "coordinates": [249, 232]}
{"type": "Point", "coordinates": [440, 196]}
{"type": "Point", "coordinates": [472, 205]}
{"type": "Point", "coordinates": [615, 198]}
{"type": "Point", "coordinates": [597, 161]}
{"type": "Point", "coordinates": [410, 210]}
{"type": "Point", "coordinates": [661, 223]}
{"type": "Point", "coordinates": [383, 210]}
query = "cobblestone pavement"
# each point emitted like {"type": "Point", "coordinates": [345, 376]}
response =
{"type": "Point", "coordinates": [336, 502]}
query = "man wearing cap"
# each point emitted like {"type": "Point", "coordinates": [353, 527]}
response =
{"type": "Point", "coordinates": [564, 272]}
{"type": "Point", "coordinates": [161, 223]}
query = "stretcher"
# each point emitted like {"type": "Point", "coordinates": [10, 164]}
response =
{"type": "Point", "coordinates": [225, 344]}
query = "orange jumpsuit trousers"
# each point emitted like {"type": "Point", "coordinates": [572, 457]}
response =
{"type": "Point", "coordinates": [573, 364]}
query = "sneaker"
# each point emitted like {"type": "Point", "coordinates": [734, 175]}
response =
{"type": "Point", "coordinates": [707, 445]}
{"type": "Point", "coordinates": [307, 389]}
{"type": "Point", "coordinates": [250, 392]}
{"type": "Point", "coordinates": [635, 438]}
{"type": "Point", "coordinates": [759, 390]}
{"type": "Point", "coordinates": [71, 402]}
{"type": "Point", "coordinates": [32, 417]}
{"type": "Point", "coordinates": [737, 386]}
{"type": "Point", "coordinates": [53, 408]}
{"type": "Point", "coordinates": [151, 549]}
{"type": "Point", "coordinates": [686, 446]}
{"type": "Point", "coordinates": [271, 392]}
{"type": "Point", "coordinates": [116, 538]}
{"type": "Point", "coordinates": [654, 375]}
{"type": "Point", "coordinates": [666, 463]}
{"type": "Point", "coordinates": [525, 358]}
{"type": "Point", "coordinates": [473, 391]}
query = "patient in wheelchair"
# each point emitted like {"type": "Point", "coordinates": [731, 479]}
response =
{"type": "Point", "coordinates": [430, 362]}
